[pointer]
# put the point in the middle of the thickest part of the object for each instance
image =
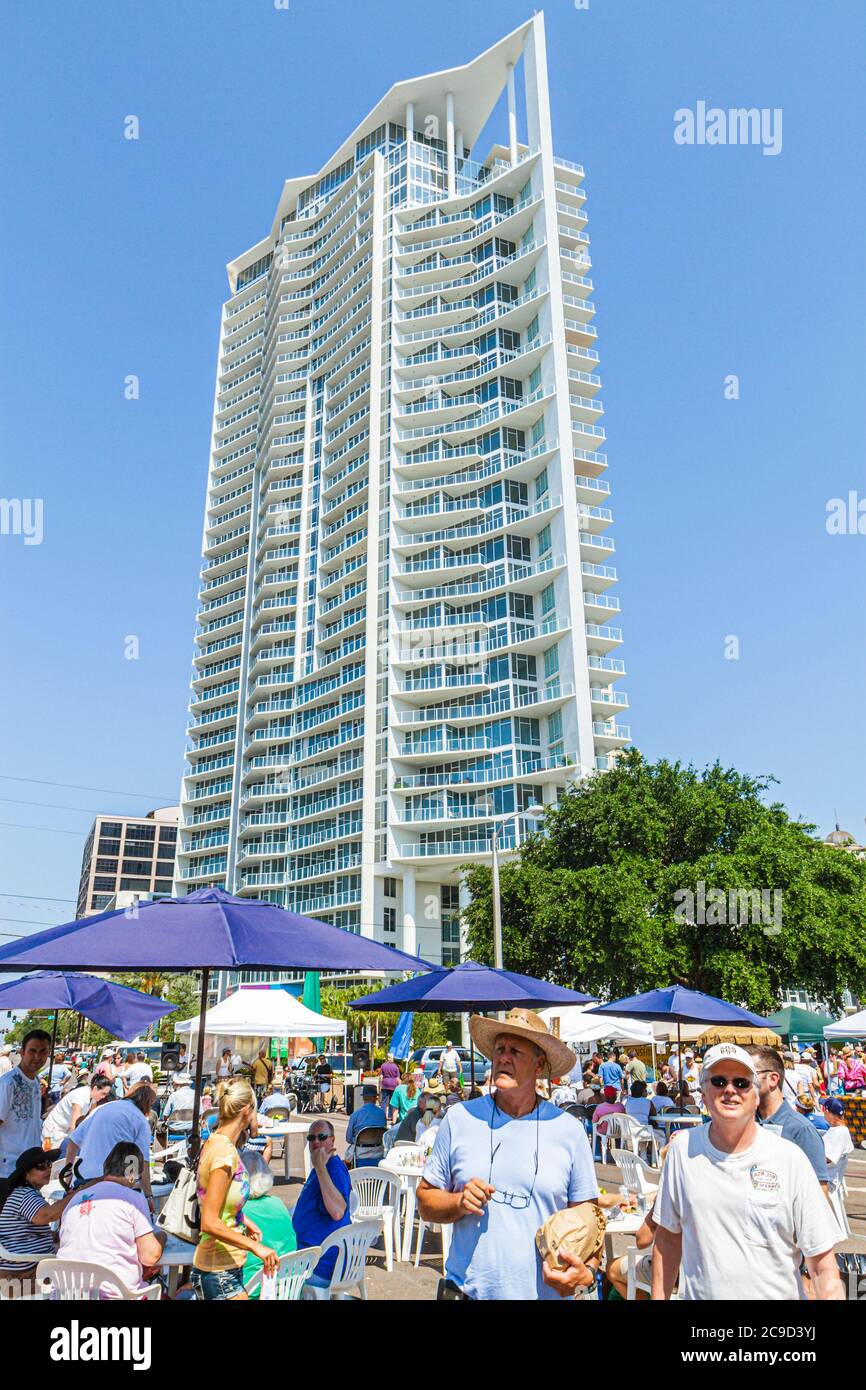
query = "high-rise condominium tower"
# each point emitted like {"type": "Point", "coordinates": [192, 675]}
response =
{"type": "Point", "coordinates": [407, 625]}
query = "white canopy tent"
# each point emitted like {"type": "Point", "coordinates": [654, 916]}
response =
{"type": "Point", "coordinates": [853, 1026]}
{"type": "Point", "coordinates": [575, 1027]}
{"type": "Point", "coordinates": [246, 1020]}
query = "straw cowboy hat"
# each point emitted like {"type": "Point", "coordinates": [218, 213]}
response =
{"type": "Point", "coordinates": [523, 1024]}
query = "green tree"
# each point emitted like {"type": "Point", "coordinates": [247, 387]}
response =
{"type": "Point", "coordinates": [599, 900]}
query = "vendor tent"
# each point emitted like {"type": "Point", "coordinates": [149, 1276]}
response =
{"type": "Point", "coordinates": [803, 1024]}
{"type": "Point", "coordinates": [741, 1034]}
{"type": "Point", "coordinates": [577, 1027]}
{"type": "Point", "coordinates": [264, 1013]}
{"type": "Point", "coordinates": [853, 1026]}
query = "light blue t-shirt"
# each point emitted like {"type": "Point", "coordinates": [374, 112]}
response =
{"type": "Point", "coordinates": [113, 1122]}
{"type": "Point", "coordinates": [611, 1074]}
{"type": "Point", "coordinates": [493, 1256]}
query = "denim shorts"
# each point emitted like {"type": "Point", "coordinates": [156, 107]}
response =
{"type": "Point", "coordinates": [218, 1284]}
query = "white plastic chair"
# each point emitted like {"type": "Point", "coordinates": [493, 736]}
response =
{"type": "Point", "coordinates": [76, 1280]}
{"type": "Point", "coordinates": [293, 1271]}
{"type": "Point", "coordinates": [177, 1151]}
{"type": "Point", "coordinates": [375, 1197]}
{"type": "Point", "coordinates": [352, 1244]}
{"type": "Point", "coordinates": [444, 1230]}
{"type": "Point", "coordinates": [836, 1192]}
{"type": "Point", "coordinates": [631, 1134]}
{"type": "Point", "coordinates": [8, 1257]}
{"type": "Point", "coordinates": [601, 1136]}
{"type": "Point", "coordinates": [637, 1173]}
{"type": "Point", "coordinates": [632, 1255]}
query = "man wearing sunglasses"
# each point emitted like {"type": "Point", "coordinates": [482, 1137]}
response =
{"type": "Point", "coordinates": [738, 1206]}
{"type": "Point", "coordinates": [323, 1206]}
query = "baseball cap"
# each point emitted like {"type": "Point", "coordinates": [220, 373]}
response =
{"type": "Point", "coordinates": [728, 1052]}
{"type": "Point", "coordinates": [833, 1104]}
{"type": "Point", "coordinates": [369, 1091]}
{"type": "Point", "coordinates": [610, 1093]}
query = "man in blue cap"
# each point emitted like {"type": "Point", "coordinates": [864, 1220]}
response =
{"type": "Point", "coordinates": [837, 1140]}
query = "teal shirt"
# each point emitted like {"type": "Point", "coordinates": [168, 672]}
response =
{"type": "Point", "coordinates": [274, 1220]}
{"type": "Point", "coordinates": [402, 1104]}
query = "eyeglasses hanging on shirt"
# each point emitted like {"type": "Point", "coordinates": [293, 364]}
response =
{"type": "Point", "coordinates": [518, 1201]}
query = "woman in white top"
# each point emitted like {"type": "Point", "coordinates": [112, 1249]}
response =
{"type": "Point", "coordinates": [425, 1130]}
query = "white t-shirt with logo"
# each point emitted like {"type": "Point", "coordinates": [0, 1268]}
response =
{"type": "Point", "coordinates": [745, 1218]}
{"type": "Point", "coordinates": [21, 1117]}
{"type": "Point", "coordinates": [57, 1122]}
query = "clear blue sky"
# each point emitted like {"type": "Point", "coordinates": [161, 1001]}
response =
{"type": "Point", "coordinates": [706, 261]}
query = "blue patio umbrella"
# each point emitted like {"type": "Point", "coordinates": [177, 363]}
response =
{"type": "Point", "coordinates": [121, 1011]}
{"type": "Point", "coordinates": [470, 988]}
{"type": "Point", "coordinates": [207, 930]}
{"type": "Point", "coordinates": [679, 1005]}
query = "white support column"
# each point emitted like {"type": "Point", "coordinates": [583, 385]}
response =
{"type": "Point", "coordinates": [539, 135]}
{"type": "Point", "coordinates": [512, 116]}
{"type": "Point", "coordinates": [449, 143]}
{"type": "Point", "coordinates": [464, 952]}
{"type": "Point", "coordinates": [410, 932]}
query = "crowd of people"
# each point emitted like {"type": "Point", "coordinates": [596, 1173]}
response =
{"type": "Point", "coordinates": [742, 1207]}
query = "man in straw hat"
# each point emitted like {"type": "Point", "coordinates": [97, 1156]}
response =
{"type": "Point", "coordinates": [502, 1164]}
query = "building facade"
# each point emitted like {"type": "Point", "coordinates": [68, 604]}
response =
{"type": "Point", "coordinates": [126, 855]}
{"type": "Point", "coordinates": [407, 624]}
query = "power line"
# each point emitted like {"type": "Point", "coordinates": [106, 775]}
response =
{"type": "Point", "coordinates": [47, 829]}
{"type": "Point", "coordinates": [50, 805]}
{"type": "Point", "coordinates": [76, 787]}
{"type": "Point", "coordinates": [43, 926]}
{"type": "Point", "coordinates": [39, 897]}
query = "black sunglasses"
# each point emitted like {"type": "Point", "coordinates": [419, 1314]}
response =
{"type": "Point", "coordinates": [739, 1083]}
{"type": "Point", "coordinates": [317, 1138]}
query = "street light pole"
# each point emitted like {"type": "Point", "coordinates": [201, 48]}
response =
{"type": "Point", "coordinates": [497, 906]}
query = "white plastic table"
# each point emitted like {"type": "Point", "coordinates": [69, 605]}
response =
{"type": "Point", "coordinates": [670, 1118]}
{"type": "Point", "coordinates": [176, 1253]}
{"type": "Point", "coordinates": [410, 1175]}
{"type": "Point", "coordinates": [283, 1130]}
{"type": "Point", "coordinates": [628, 1225]}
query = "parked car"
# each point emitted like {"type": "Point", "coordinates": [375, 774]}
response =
{"type": "Point", "coordinates": [428, 1058]}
